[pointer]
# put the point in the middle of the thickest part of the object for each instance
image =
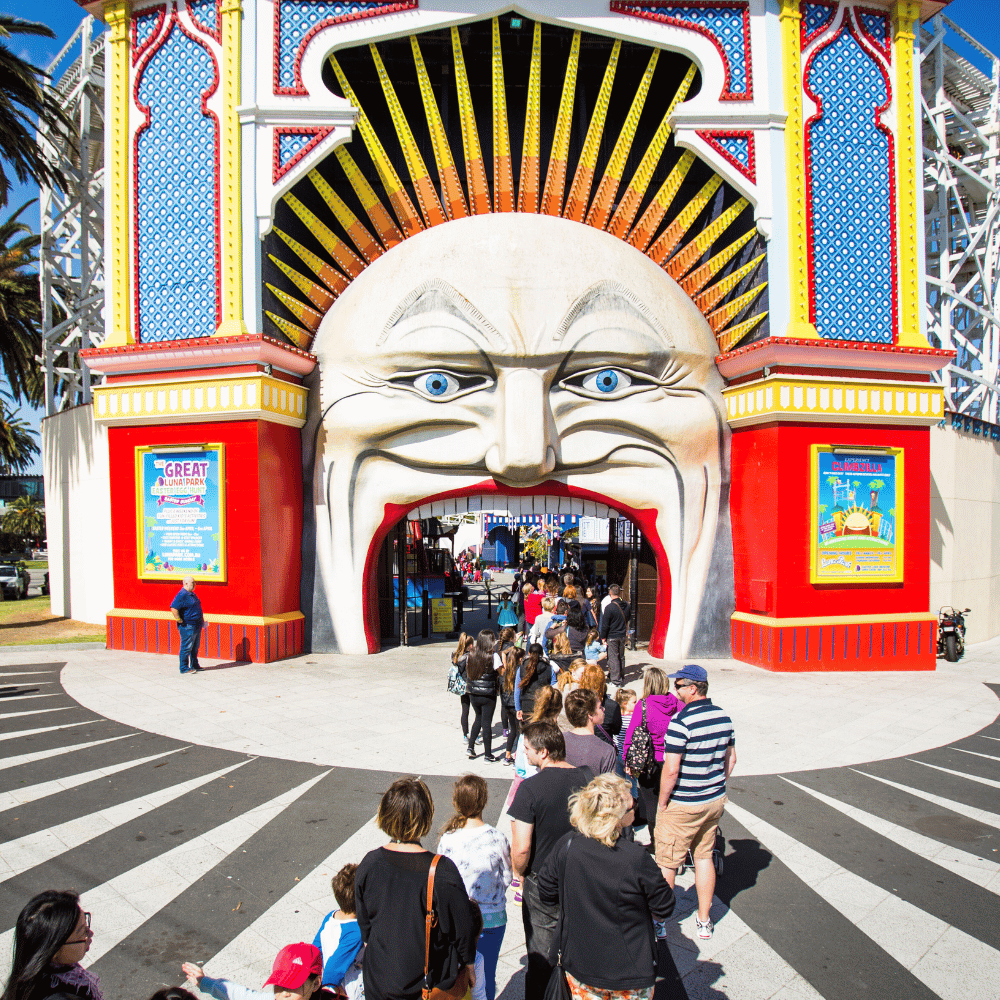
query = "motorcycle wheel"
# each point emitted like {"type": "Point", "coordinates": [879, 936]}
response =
{"type": "Point", "coordinates": [951, 648]}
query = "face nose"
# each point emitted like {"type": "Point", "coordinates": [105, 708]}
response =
{"type": "Point", "coordinates": [525, 451]}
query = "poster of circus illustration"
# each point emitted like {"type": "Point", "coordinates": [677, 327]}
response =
{"type": "Point", "coordinates": [857, 512]}
{"type": "Point", "coordinates": [181, 512]}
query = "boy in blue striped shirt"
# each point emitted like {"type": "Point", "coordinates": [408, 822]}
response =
{"type": "Point", "coordinates": [699, 754]}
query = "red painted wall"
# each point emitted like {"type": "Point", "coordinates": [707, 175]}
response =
{"type": "Point", "coordinates": [770, 505]}
{"type": "Point", "coordinates": [263, 517]}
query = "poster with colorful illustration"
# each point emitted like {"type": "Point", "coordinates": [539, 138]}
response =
{"type": "Point", "coordinates": [181, 512]}
{"type": "Point", "coordinates": [857, 515]}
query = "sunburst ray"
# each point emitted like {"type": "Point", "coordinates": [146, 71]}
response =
{"type": "Point", "coordinates": [555, 176]}
{"type": "Point", "coordinates": [503, 178]}
{"type": "Point", "coordinates": [475, 169]}
{"type": "Point", "coordinates": [527, 193]}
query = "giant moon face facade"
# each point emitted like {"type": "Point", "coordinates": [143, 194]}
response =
{"type": "Point", "coordinates": [507, 352]}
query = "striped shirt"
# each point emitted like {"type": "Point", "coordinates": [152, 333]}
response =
{"type": "Point", "coordinates": [701, 734]}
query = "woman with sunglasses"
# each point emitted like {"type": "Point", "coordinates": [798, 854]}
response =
{"type": "Point", "coordinates": [51, 937]}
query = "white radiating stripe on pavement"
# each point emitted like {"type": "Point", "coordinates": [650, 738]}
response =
{"type": "Point", "coordinates": [958, 774]}
{"type": "Point", "coordinates": [22, 697]}
{"type": "Point", "coordinates": [969, 866]}
{"type": "Point", "coordinates": [130, 899]}
{"type": "Point", "coordinates": [36, 711]}
{"type": "Point", "coordinates": [30, 793]}
{"type": "Point", "coordinates": [37, 848]}
{"type": "Point", "coordinates": [980, 815]}
{"type": "Point", "coordinates": [995, 738]}
{"type": "Point", "coordinates": [46, 729]}
{"type": "Point", "coordinates": [972, 753]}
{"type": "Point", "coordinates": [25, 673]}
{"type": "Point", "coordinates": [31, 758]}
{"type": "Point", "coordinates": [947, 960]}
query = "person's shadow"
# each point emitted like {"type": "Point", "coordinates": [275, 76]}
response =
{"type": "Point", "coordinates": [745, 861]}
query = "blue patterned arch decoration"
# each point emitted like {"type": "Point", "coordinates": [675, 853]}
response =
{"type": "Point", "coordinates": [208, 17]}
{"type": "Point", "coordinates": [725, 22]}
{"type": "Point", "coordinates": [176, 179]}
{"type": "Point", "coordinates": [816, 18]}
{"type": "Point", "coordinates": [737, 147]}
{"type": "Point", "coordinates": [875, 25]}
{"type": "Point", "coordinates": [291, 145]}
{"type": "Point", "coordinates": [850, 194]}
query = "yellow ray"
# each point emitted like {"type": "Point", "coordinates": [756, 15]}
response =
{"type": "Point", "coordinates": [326, 273]}
{"type": "Point", "coordinates": [600, 209]}
{"type": "Point", "coordinates": [317, 294]}
{"type": "Point", "coordinates": [555, 176]}
{"type": "Point", "coordinates": [331, 242]}
{"type": "Point", "coordinates": [583, 179]}
{"type": "Point", "coordinates": [503, 179]}
{"type": "Point", "coordinates": [427, 196]}
{"type": "Point", "coordinates": [475, 169]}
{"type": "Point", "coordinates": [377, 212]}
{"type": "Point", "coordinates": [714, 294]}
{"type": "Point", "coordinates": [299, 337]}
{"type": "Point", "coordinates": [646, 227]}
{"type": "Point", "coordinates": [398, 197]}
{"type": "Point", "coordinates": [367, 245]}
{"type": "Point", "coordinates": [451, 188]}
{"type": "Point", "coordinates": [701, 276]}
{"type": "Point", "coordinates": [730, 338]}
{"type": "Point", "coordinates": [299, 310]}
{"type": "Point", "coordinates": [724, 315]}
{"type": "Point", "coordinates": [527, 194]}
{"type": "Point", "coordinates": [674, 233]}
{"type": "Point", "coordinates": [683, 260]}
{"type": "Point", "coordinates": [632, 198]}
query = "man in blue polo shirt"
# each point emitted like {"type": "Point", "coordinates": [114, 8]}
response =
{"type": "Point", "coordinates": [699, 754]}
{"type": "Point", "coordinates": [186, 609]}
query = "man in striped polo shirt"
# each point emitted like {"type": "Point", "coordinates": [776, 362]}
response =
{"type": "Point", "coordinates": [699, 754]}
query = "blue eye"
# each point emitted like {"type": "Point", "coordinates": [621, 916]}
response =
{"type": "Point", "coordinates": [437, 384]}
{"type": "Point", "coordinates": [606, 382]}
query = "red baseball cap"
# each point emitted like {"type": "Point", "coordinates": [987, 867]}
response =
{"type": "Point", "coordinates": [294, 964]}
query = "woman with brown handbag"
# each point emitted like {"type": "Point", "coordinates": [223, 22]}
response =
{"type": "Point", "coordinates": [412, 907]}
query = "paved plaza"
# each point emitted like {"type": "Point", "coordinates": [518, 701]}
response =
{"type": "Point", "coordinates": [202, 817]}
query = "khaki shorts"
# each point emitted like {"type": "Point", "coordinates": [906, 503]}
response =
{"type": "Point", "coordinates": [680, 828]}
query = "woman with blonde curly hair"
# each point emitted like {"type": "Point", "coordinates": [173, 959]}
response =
{"type": "Point", "coordinates": [609, 891]}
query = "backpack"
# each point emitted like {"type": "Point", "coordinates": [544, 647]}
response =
{"type": "Point", "coordinates": [641, 757]}
{"type": "Point", "coordinates": [456, 682]}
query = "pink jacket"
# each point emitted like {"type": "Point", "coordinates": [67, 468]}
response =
{"type": "Point", "coordinates": [660, 709]}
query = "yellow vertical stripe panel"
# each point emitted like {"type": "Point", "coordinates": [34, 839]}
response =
{"type": "Point", "coordinates": [326, 273]}
{"type": "Point", "coordinates": [632, 198]}
{"type": "Point", "coordinates": [331, 242]}
{"type": "Point", "coordinates": [451, 188]}
{"type": "Point", "coordinates": [527, 195]}
{"type": "Point", "coordinates": [377, 212]}
{"type": "Point", "coordinates": [714, 294]}
{"type": "Point", "coordinates": [683, 260]}
{"type": "Point", "coordinates": [600, 209]}
{"type": "Point", "coordinates": [427, 196]}
{"type": "Point", "coordinates": [475, 168]}
{"type": "Point", "coordinates": [583, 179]}
{"type": "Point", "coordinates": [317, 294]}
{"type": "Point", "coordinates": [503, 178]}
{"type": "Point", "coordinates": [299, 310]}
{"type": "Point", "coordinates": [701, 276]}
{"type": "Point", "coordinates": [726, 314]}
{"type": "Point", "coordinates": [398, 197]}
{"type": "Point", "coordinates": [555, 176]}
{"type": "Point", "coordinates": [646, 227]}
{"type": "Point", "coordinates": [731, 337]}
{"type": "Point", "coordinates": [299, 337]}
{"type": "Point", "coordinates": [674, 233]}
{"type": "Point", "coordinates": [367, 245]}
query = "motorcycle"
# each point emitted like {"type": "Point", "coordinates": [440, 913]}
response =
{"type": "Point", "coordinates": [951, 633]}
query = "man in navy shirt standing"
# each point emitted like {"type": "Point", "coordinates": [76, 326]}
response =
{"type": "Point", "coordinates": [186, 609]}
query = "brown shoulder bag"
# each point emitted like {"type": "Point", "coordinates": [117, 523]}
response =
{"type": "Point", "coordinates": [461, 986]}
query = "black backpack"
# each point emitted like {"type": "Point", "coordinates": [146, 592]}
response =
{"type": "Point", "coordinates": [641, 757]}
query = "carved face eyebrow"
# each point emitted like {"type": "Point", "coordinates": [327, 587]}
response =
{"type": "Point", "coordinates": [439, 297]}
{"type": "Point", "coordinates": [612, 296]}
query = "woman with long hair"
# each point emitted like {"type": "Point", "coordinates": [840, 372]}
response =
{"type": "Point", "coordinates": [482, 856]}
{"type": "Point", "coordinates": [460, 657]}
{"type": "Point", "coordinates": [481, 677]}
{"type": "Point", "coordinates": [609, 891]}
{"type": "Point", "coordinates": [510, 660]}
{"type": "Point", "coordinates": [533, 675]}
{"type": "Point", "coordinates": [51, 936]}
{"type": "Point", "coordinates": [593, 679]}
{"type": "Point", "coordinates": [390, 894]}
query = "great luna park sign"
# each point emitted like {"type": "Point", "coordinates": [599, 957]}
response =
{"type": "Point", "coordinates": [181, 512]}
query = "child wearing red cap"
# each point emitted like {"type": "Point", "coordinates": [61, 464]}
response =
{"type": "Point", "coordinates": [295, 976]}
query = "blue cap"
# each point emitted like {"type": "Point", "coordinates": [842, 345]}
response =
{"type": "Point", "coordinates": [691, 672]}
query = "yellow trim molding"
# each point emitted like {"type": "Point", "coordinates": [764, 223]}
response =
{"type": "Point", "coordinates": [800, 325]}
{"type": "Point", "coordinates": [118, 14]}
{"type": "Point", "coordinates": [833, 400]}
{"type": "Point", "coordinates": [817, 620]}
{"type": "Point", "coordinates": [251, 397]}
{"type": "Point", "coordinates": [210, 619]}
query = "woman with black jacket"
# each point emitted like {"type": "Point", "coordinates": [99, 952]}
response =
{"type": "Point", "coordinates": [481, 678]}
{"type": "Point", "coordinates": [533, 674]}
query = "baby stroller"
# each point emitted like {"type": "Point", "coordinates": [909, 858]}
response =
{"type": "Point", "coordinates": [718, 854]}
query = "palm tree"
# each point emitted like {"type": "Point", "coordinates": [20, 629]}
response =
{"type": "Point", "coordinates": [25, 518]}
{"type": "Point", "coordinates": [24, 103]}
{"type": "Point", "coordinates": [17, 445]}
{"type": "Point", "coordinates": [20, 309]}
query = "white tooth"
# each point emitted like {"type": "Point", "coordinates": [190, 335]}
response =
{"type": "Point", "coordinates": [575, 506]}
{"type": "Point", "coordinates": [600, 510]}
{"type": "Point", "coordinates": [589, 508]}
{"type": "Point", "coordinates": [438, 509]}
{"type": "Point", "coordinates": [475, 503]}
{"type": "Point", "coordinates": [613, 513]}
{"type": "Point", "coordinates": [551, 505]}
{"type": "Point", "coordinates": [423, 512]}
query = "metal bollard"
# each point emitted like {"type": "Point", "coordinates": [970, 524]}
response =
{"type": "Point", "coordinates": [425, 615]}
{"type": "Point", "coordinates": [461, 612]}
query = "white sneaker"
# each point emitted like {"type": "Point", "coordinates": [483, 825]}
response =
{"type": "Point", "coordinates": [704, 929]}
{"type": "Point", "coordinates": [660, 928]}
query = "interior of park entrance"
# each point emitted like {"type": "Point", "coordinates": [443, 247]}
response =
{"type": "Point", "coordinates": [421, 556]}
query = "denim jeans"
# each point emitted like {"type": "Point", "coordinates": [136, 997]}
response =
{"type": "Point", "coordinates": [489, 947]}
{"type": "Point", "coordinates": [190, 640]}
{"type": "Point", "coordinates": [541, 923]}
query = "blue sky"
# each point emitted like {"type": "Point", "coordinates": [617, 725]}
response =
{"type": "Point", "coordinates": [980, 18]}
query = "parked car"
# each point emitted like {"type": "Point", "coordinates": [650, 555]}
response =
{"type": "Point", "coordinates": [14, 579]}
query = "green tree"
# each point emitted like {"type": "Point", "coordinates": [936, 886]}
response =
{"type": "Point", "coordinates": [25, 518]}
{"type": "Point", "coordinates": [20, 309]}
{"type": "Point", "coordinates": [18, 446]}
